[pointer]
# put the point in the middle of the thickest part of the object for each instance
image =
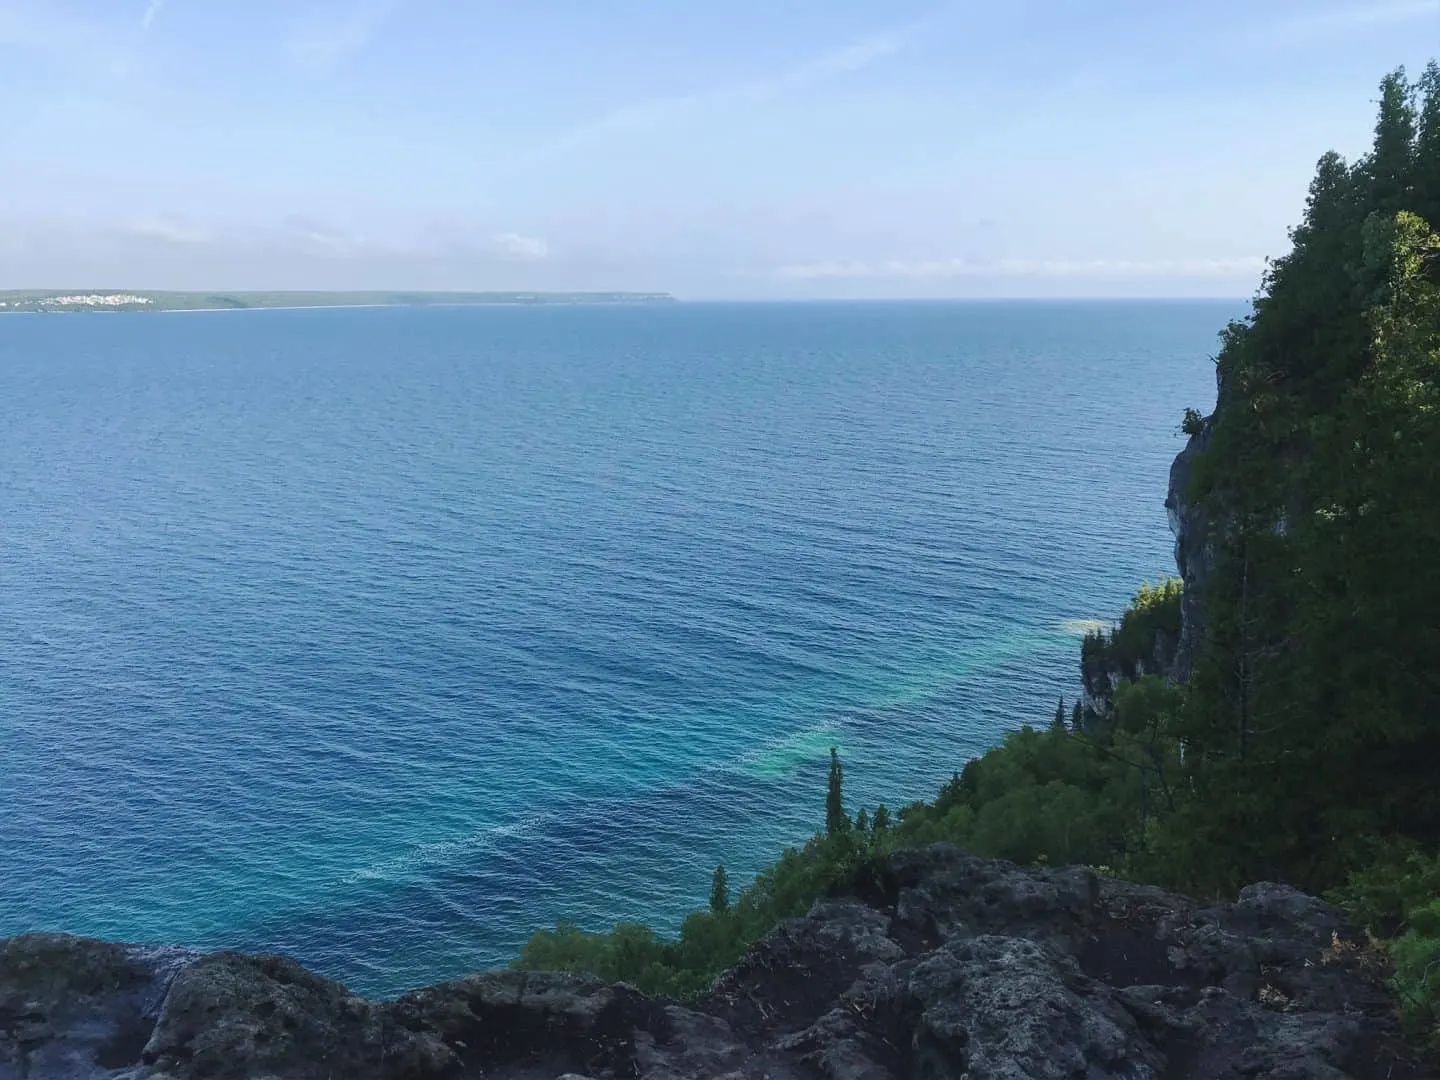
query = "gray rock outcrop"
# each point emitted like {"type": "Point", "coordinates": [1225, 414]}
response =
{"type": "Point", "coordinates": [949, 967]}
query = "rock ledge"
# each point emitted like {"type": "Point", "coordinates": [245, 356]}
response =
{"type": "Point", "coordinates": [965, 968]}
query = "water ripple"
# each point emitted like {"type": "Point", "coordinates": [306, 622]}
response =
{"type": "Point", "coordinates": [382, 637]}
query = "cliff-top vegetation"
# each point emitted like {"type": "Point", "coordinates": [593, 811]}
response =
{"type": "Point", "coordinates": [1305, 746]}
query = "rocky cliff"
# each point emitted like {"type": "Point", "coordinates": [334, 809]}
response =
{"type": "Point", "coordinates": [1194, 550]}
{"type": "Point", "coordinates": [1168, 655]}
{"type": "Point", "coordinates": [1102, 673]}
{"type": "Point", "coordinates": [945, 966]}
{"type": "Point", "coordinates": [1164, 649]}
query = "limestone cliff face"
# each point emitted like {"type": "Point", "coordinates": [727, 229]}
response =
{"type": "Point", "coordinates": [1194, 551]}
{"type": "Point", "coordinates": [1101, 676]}
{"type": "Point", "coordinates": [950, 967]}
{"type": "Point", "coordinates": [1166, 654]}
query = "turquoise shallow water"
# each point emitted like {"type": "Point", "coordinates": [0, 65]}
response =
{"type": "Point", "coordinates": [381, 637]}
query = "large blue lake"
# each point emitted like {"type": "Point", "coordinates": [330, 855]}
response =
{"type": "Point", "coordinates": [381, 637]}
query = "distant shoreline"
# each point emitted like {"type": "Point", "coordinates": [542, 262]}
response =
{"type": "Point", "coordinates": [303, 307]}
{"type": "Point", "coordinates": [321, 307]}
{"type": "Point", "coordinates": [70, 301]}
{"type": "Point", "coordinates": [357, 307]}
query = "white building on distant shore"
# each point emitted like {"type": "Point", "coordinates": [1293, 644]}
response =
{"type": "Point", "coordinates": [94, 300]}
{"type": "Point", "coordinates": [78, 300]}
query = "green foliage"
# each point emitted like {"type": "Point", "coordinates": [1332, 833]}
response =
{"type": "Point", "coordinates": [1056, 795]}
{"type": "Point", "coordinates": [1041, 796]}
{"type": "Point", "coordinates": [632, 954]}
{"type": "Point", "coordinates": [1061, 796]}
{"type": "Point", "coordinates": [709, 941]}
{"type": "Point", "coordinates": [1417, 972]}
{"type": "Point", "coordinates": [1153, 613]}
{"type": "Point", "coordinates": [1312, 714]}
{"type": "Point", "coordinates": [1193, 423]}
{"type": "Point", "coordinates": [1398, 879]}
{"type": "Point", "coordinates": [836, 820]}
{"type": "Point", "coordinates": [1427, 148]}
{"type": "Point", "coordinates": [1397, 895]}
{"type": "Point", "coordinates": [1155, 610]}
{"type": "Point", "coordinates": [713, 940]}
{"type": "Point", "coordinates": [719, 891]}
{"type": "Point", "coordinates": [1390, 167]}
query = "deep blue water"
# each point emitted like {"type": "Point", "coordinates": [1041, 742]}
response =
{"type": "Point", "coordinates": [381, 637]}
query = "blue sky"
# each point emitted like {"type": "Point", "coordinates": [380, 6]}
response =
{"type": "Point", "coordinates": [756, 148]}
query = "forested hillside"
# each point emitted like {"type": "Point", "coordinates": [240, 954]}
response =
{"type": "Point", "coordinates": [1303, 743]}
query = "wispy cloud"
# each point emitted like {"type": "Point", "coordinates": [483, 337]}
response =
{"type": "Point", "coordinates": [937, 269]}
{"type": "Point", "coordinates": [315, 237]}
{"type": "Point", "coordinates": [329, 41]}
{"type": "Point", "coordinates": [300, 251]}
{"type": "Point", "coordinates": [168, 230]}
{"type": "Point", "coordinates": [152, 10]}
{"type": "Point", "coordinates": [1332, 22]}
{"type": "Point", "coordinates": [516, 246]}
{"type": "Point", "coordinates": [295, 234]}
{"type": "Point", "coordinates": [755, 91]}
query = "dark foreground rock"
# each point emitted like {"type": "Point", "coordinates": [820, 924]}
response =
{"type": "Point", "coordinates": [956, 967]}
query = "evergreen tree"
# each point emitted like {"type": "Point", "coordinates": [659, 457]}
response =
{"type": "Point", "coordinates": [1392, 160]}
{"type": "Point", "coordinates": [1307, 715]}
{"type": "Point", "coordinates": [836, 821]}
{"type": "Point", "coordinates": [719, 891]}
{"type": "Point", "coordinates": [1427, 148]}
{"type": "Point", "coordinates": [862, 821]}
{"type": "Point", "coordinates": [1077, 716]}
{"type": "Point", "coordinates": [1059, 720]}
{"type": "Point", "coordinates": [882, 820]}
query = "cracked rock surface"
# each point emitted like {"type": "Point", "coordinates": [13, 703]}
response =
{"type": "Point", "coordinates": [959, 967]}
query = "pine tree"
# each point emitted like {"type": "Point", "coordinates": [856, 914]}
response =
{"type": "Point", "coordinates": [1307, 708]}
{"type": "Point", "coordinates": [1427, 148]}
{"type": "Point", "coordinates": [862, 821]}
{"type": "Point", "coordinates": [719, 891]}
{"type": "Point", "coordinates": [882, 819]}
{"type": "Point", "coordinates": [1077, 717]}
{"type": "Point", "coordinates": [1060, 713]}
{"type": "Point", "coordinates": [1392, 159]}
{"type": "Point", "coordinates": [835, 820]}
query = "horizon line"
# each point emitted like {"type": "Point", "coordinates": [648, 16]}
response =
{"type": "Point", "coordinates": [657, 293]}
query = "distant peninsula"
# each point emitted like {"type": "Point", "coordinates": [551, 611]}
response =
{"type": "Point", "coordinates": [56, 300]}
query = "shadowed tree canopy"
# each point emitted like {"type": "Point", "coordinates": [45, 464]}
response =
{"type": "Point", "coordinates": [1313, 715]}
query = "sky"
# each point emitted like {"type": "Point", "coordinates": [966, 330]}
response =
{"type": "Point", "coordinates": [751, 149]}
